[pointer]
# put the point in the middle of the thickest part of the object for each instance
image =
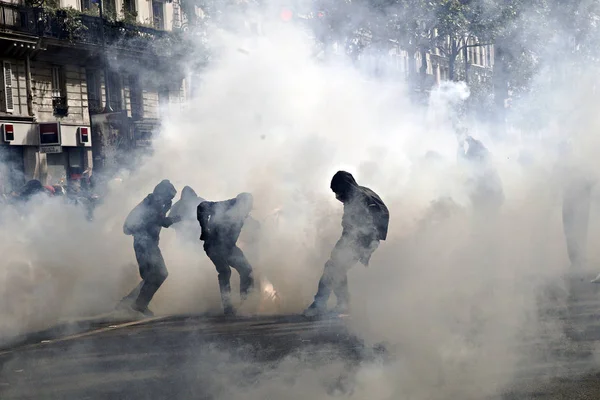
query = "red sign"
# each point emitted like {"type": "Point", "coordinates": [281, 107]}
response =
{"type": "Point", "coordinates": [84, 135]}
{"type": "Point", "coordinates": [9, 132]}
{"type": "Point", "coordinates": [286, 15]}
{"type": "Point", "coordinates": [50, 134]}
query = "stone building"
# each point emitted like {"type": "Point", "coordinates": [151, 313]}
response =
{"type": "Point", "coordinates": [57, 118]}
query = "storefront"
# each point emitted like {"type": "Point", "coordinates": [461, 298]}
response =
{"type": "Point", "coordinates": [67, 149]}
{"type": "Point", "coordinates": [52, 152]}
{"type": "Point", "coordinates": [65, 166]}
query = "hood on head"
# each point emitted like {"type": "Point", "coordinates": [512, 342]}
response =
{"type": "Point", "coordinates": [476, 150]}
{"type": "Point", "coordinates": [245, 201]}
{"type": "Point", "coordinates": [188, 193]}
{"type": "Point", "coordinates": [342, 184]}
{"type": "Point", "coordinates": [165, 190]}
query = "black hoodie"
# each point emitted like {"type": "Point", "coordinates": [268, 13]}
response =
{"type": "Point", "coordinates": [222, 221]}
{"type": "Point", "coordinates": [186, 206]}
{"type": "Point", "coordinates": [365, 214]}
{"type": "Point", "coordinates": [147, 219]}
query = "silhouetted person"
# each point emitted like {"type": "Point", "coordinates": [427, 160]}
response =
{"type": "Point", "coordinates": [145, 222]}
{"type": "Point", "coordinates": [486, 191]}
{"type": "Point", "coordinates": [186, 208]}
{"type": "Point", "coordinates": [365, 224]}
{"type": "Point", "coordinates": [30, 189]}
{"type": "Point", "coordinates": [577, 198]}
{"type": "Point", "coordinates": [221, 223]}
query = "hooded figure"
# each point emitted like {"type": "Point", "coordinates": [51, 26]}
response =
{"type": "Point", "coordinates": [485, 185]}
{"type": "Point", "coordinates": [144, 223]}
{"type": "Point", "coordinates": [221, 223]}
{"type": "Point", "coordinates": [186, 209]}
{"type": "Point", "coordinates": [364, 225]}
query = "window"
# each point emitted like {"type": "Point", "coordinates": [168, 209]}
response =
{"type": "Point", "coordinates": [115, 92]}
{"type": "Point", "coordinates": [93, 90]}
{"type": "Point", "coordinates": [129, 7]}
{"type": "Point", "coordinates": [6, 97]}
{"type": "Point", "coordinates": [158, 14]}
{"type": "Point", "coordinates": [59, 92]}
{"type": "Point", "coordinates": [86, 5]}
{"type": "Point", "coordinates": [136, 98]}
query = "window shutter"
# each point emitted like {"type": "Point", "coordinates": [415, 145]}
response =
{"type": "Point", "coordinates": [7, 98]}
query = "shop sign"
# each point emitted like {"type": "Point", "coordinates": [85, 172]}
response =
{"type": "Point", "coordinates": [50, 134]}
{"type": "Point", "coordinates": [51, 149]}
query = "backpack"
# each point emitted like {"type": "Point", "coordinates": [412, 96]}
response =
{"type": "Point", "coordinates": [135, 219]}
{"type": "Point", "coordinates": [379, 212]}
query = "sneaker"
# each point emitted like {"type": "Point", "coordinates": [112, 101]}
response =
{"type": "Point", "coordinates": [314, 310]}
{"type": "Point", "coordinates": [342, 309]}
{"type": "Point", "coordinates": [123, 305]}
{"type": "Point", "coordinates": [146, 312]}
{"type": "Point", "coordinates": [229, 311]}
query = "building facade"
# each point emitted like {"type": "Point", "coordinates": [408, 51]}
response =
{"type": "Point", "coordinates": [57, 118]}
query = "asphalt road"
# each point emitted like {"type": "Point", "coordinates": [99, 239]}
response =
{"type": "Point", "coordinates": [169, 358]}
{"type": "Point", "coordinates": [204, 357]}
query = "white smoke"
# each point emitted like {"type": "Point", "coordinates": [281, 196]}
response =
{"type": "Point", "coordinates": [456, 291]}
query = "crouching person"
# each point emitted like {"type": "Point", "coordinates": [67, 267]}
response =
{"type": "Point", "coordinates": [144, 223]}
{"type": "Point", "coordinates": [221, 223]}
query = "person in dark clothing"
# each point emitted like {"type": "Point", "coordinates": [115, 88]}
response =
{"type": "Point", "coordinates": [577, 197]}
{"type": "Point", "coordinates": [186, 208]}
{"type": "Point", "coordinates": [30, 189]}
{"type": "Point", "coordinates": [364, 225]}
{"type": "Point", "coordinates": [144, 223]}
{"type": "Point", "coordinates": [221, 223]}
{"type": "Point", "coordinates": [485, 185]}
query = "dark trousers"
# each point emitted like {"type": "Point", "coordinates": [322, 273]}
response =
{"type": "Point", "coordinates": [227, 257]}
{"type": "Point", "coordinates": [344, 255]}
{"type": "Point", "coordinates": [576, 214]}
{"type": "Point", "coordinates": [152, 270]}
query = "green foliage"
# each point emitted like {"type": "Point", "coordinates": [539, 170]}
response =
{"type": "Point", "coordinates": [68, 19]}
{"type": "Point", "coordinates": [129, 17]}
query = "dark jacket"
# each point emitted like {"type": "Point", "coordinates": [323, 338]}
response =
{"type": "Point", "coordinates": [366, 217]}
{"type": "Point", "coordinates": [186, 206]}
{"type": "Point", "coordinates": [221, 221]}
{"type": "Point", "coordinates": [147, 219]}
{"type": "Point", "coordinates": [484, 183]}
{"type": "Point", "coordinates": [186, 209]}
{"type": "Point", "coordinates": [30, 189]}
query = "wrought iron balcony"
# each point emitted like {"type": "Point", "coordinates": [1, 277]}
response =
{"type": "Point", "coordinates": [118, 33]}
{"type": "Point", "coordinates": [19, 19]}
{"type": "Point", "coordinates": [60, 106]}
{"type": "Point", "coordinates": [84, 29]}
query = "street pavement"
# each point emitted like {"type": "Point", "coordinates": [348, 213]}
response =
{"type": "Point", "coordinates": [206, 357]}
{"type": "Point", "coordinates": [168, 358]}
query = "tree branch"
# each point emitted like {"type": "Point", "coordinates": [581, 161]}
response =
{"type": "Point", "coordinates": [473, 45]}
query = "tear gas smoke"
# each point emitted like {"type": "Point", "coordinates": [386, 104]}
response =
{"type": "Point", "coordinates": [457, 290]}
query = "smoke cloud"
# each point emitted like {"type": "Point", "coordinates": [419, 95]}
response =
{"type": "Point", "coordinates": [457, 291]}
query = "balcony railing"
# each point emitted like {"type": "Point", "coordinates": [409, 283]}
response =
{"type": "Point", "coordinates": [117, 33]}
{"type": "Point", "coordinates": [18, 18]}
{"type": "Point", "coordinates": [37, 22]}
{"type": "Point", "coordinates": [60, 106]}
